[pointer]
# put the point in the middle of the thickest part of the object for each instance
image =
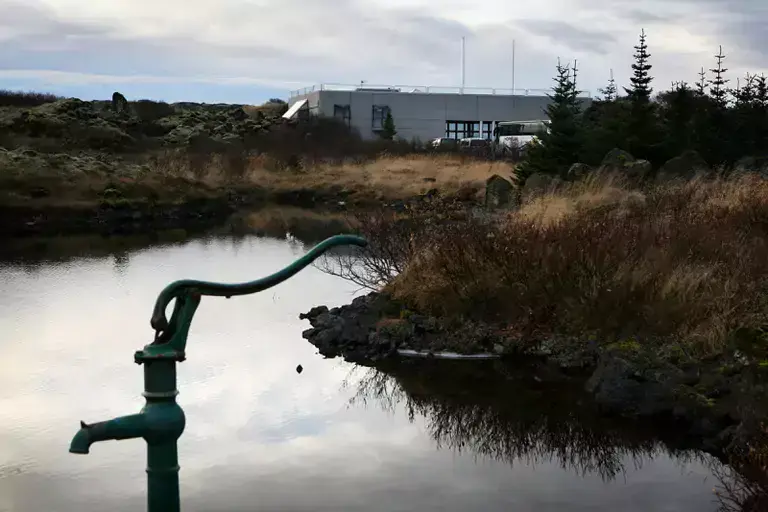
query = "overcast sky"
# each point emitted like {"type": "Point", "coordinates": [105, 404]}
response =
{"type": "Point", "coordinates": [249, 50]}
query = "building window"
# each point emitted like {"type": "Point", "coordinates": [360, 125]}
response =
{"type": "Point", "coordinates": [462, 129]}
{"type": "Point", "coordinates": [487, 130]}
{"type": "Point", "coordinates": [343, 113]}
{"type": "Point", "coordinates": [379, 115]}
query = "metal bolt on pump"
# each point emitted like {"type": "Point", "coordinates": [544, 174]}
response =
{"type": "Point", "coordinates": [161, 421]}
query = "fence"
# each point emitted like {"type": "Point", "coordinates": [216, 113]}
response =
{"type": "Point", "coordinates": [425, 89]}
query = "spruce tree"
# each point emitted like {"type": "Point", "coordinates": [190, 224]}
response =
{"type": "Point", "coordinates": [561, 146]}
{"type": "Point", "coordinates": [761, 92]}
{"type": "Point", "coordinates": [388, 128]}
{"type": "Point", "coordinates": [744, 97]}
{"type": "Point", "coordinates": [701, 115]}
{"type": "Point", "coordinates": [640, 90]}
{"type": "Point", "coordinates": [678, 107]}
{"type": "Point", "coordinates": [718, 139]}
{"type": "Point", "coordinates": [642, 129]}
{"type": "Point", "coordinates": [609, 92]}
{"type": "Point", "coordinates": [701, 85]}
{"type": "Point", "coordinates": [744, 118]}
{"type": "Point", "coordinates": [761, 112]}
{"type": "Point", "coordinates": [718, 90]}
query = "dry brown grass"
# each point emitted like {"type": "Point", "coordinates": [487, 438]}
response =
{"type": "Point", "coordinates": [397, 177]}
{"type": "Point", "coordinates": [387, 177]}
{"type": "Point", "coordinates": [177, 174]}
{"type": "Point", "coordinates": [305, 224]}
{"type": "Point", "coordinates": [686, 261]}
{"type": "Point", "coordinates": [595, 191]}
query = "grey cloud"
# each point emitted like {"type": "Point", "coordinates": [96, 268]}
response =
{"type": "Point", "coordinates": [579, 39]}
{"type": "Point", "coordinates": [380, 41]}
{"type": "Point", "coordinates": [49, 44]}
{"type": "Point", "coordinates": [346, 41]}
{"type": "Point", "coordinates": [741, 27]}
{"type": "Point", "coordinates": [643, 16]}
{"type": "Point", "coordinates": [35, 22]}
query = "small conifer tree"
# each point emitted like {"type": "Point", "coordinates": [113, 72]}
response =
{"type": "Point", "coordinates": [388, 128]}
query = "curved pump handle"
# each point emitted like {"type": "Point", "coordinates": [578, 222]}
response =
{"type": "Point", "coordinates": [187, 293]}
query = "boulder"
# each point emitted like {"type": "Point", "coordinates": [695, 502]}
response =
{"type": "Point", "coordinates": [238, 114]}
{"type": "Point", "coordinates": [753, 164]}
{"type": "Point", "coordinates": [619, 385]}
{"type": "Point", "coordinates": [119, 103]}
{"type": "Point", "coordinates": [537, 184]}
{"type": "Point", "coordinates": [117, 124]}
{"type": "Point", "coordinates": [499, 193]}
{"type": "Point", "coordinates": [616, 159]}
{"type": "Point", "coordinates": [466, 193]}
{"type": "Point", "coordinates": [638, 170]}
{"type": "Point", "coordinates": [685, 166]}
{"type": "Point", "coordinates": [577, 171]}
{"type": "Point", "coordinates": [623, 163]}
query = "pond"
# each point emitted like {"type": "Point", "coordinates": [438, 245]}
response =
{"type": "Point", "coordinates": [448, 436]}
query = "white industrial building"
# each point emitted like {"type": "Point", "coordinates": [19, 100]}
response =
{"type": "Point", "coordinates": [421, 112]}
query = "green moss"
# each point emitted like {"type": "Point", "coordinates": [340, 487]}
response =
{"type": "Point", "coordinates": [751, 341]}
{"type": "Point", "coordinates": [627, 345]}
{"type": "Point", "coordinates": [397, 330]}
{"type": "Point", "coordinates": [111, 192]}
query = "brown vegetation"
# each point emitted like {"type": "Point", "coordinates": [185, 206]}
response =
{"type": "Point", "coordinates": [386, 177]}
{"type": "Point", "coordinates": [685, 261]}
{"type": "Point", "coordinates": [60, 152]}
{"type": "Point", "coordinates": [25, 99]}
{"type": "Point", "coordinates": [85, 179]}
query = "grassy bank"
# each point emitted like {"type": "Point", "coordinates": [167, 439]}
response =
{"type": "Point", "coordinates": [28, 177]}
{"type": "Point", "coordinates": [684, 262]}
{"type": "Point", "coordinates": [72, 166]}
{"type": "Point", "coordinates": [659, 294]}
{"type": "Point", "coordinates": [64, 152]}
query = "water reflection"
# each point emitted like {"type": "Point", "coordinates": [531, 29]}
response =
{"type": "Point", "coordinates": [262, 437]}
{"type": "Point", "coordinates": [300, 229]}
{"type": "Point", "coordinates": [494, 410]}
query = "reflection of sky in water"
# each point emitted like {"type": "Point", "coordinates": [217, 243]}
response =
{"type": "Point", "coordinates": [259, 436]}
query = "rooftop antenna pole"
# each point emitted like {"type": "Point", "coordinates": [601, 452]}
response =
{"type": "Point", "coordinates": [513, 73]}
{"type": "Point", "coordinates": [574, 72]}
{"type": "Point", "coordinates": [513, 67]}
{"type": "Point", "coordinates": [463, 66]}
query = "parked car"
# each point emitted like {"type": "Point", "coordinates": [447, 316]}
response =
{"type": "Point", "coordinates": [443, 143]}
{"type": "Point", "coordinates": [474, 143]}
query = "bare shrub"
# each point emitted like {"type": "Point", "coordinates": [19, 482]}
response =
{"type": "Point", "coordinates": [390, 248]}
{"type": "Point", "coordinates": [683, 262]}
{"type": "Point", "coordinates": [149, 110]}
{"type": "Point", "coordinates": [26, 99]}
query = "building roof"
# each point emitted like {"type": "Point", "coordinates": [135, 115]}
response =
{"type": "Point", "coordinates": [424, 89]}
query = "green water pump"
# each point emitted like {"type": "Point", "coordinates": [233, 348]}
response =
{"type": "Point", "coordinates": [161, 421]}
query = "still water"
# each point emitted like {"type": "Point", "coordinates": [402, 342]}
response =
{"type": "Point", "coordinates": [260, 436]}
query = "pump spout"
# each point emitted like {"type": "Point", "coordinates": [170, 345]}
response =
{"type": "Point", "coordinates": [124, 427]}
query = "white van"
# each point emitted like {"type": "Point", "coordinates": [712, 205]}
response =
{"type": "Point", "coordinates": [518, 134]}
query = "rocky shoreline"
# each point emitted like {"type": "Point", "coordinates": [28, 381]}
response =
{"type": "Point", "coordinates": [210, 209]}
{"type": "Point", "coordinates": [630, 378]}
{"type": "Point", "coordinates": [23, 221]}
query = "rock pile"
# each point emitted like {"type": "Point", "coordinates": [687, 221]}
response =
{"type": "Point", "coordinates": [375, 327]}
{"type": "Point", "coordinates": [119, 125]}
{"type": "Point", "coordinates": [628, 377]}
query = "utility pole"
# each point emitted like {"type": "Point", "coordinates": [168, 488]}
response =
{"type": "Point", "coordinates": [463, 64]}
{"type": "Point", "coordinates": [513, 67]}
{"type": "Point", "coordinates": [574, 72]}
{"type": "Point", "coordinates": [513, 73]}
